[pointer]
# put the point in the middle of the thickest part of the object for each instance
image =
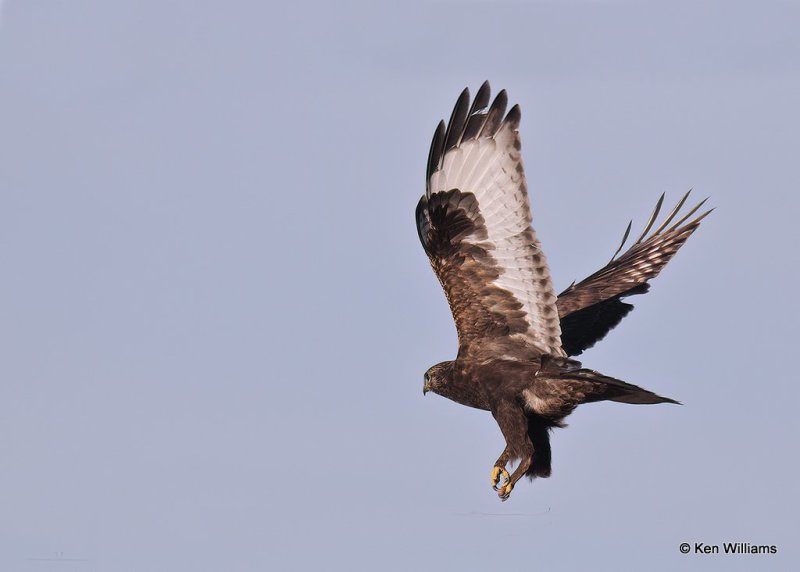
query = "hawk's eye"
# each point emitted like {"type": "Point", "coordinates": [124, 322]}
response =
{"type": "Point", "coordinates": [426, 377]}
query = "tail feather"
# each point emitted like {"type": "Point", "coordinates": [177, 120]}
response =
{"type": "Point", "coordinates": [607, 388]}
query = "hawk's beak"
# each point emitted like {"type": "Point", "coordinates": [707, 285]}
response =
{"type": "Point", "coordinates": [425, 389]}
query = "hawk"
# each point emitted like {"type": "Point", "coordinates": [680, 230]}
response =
{"type": "Point", "coordinates": [516, 338]}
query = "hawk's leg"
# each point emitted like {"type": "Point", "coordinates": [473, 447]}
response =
{"type": "Point", "coordinates": [514, 424]}
{"type": "Point", "coordinates": [500, 469]}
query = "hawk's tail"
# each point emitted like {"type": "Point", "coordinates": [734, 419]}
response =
{"type": "Point", "coordinates": [604, 388]}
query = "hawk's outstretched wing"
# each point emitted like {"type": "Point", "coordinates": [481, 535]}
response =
{"type": "Point", "coordinates": [474, 222]}
{"type": "Point", "coordinates": [593, 307]}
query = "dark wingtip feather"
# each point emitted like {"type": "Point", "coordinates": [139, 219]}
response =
{"type": "Point", "coordinates": [477, 114]}
{"type": "Point", "coordinates": [458, 119]}
{"type": "Point", "coordinates": [704, 215]}
{"type": "Point", "coordinates": [495, 116]}
{"type": "Point", "coordinates": [435, 153]}
{"type": "Point", "coordinates": [482, 97]}
{"type": "Point", "coordinates": [514, 116]}
{"type": "Point", "coordinates": [624, 239]}
{"type": "Point", "coordinates": [652, 218]}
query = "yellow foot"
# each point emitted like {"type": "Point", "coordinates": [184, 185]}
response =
{"type": "Point", "coordinates": [505, 491]}
{"type": "Point", "coordinates": [497, 472]}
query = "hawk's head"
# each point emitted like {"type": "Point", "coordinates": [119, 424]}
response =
{"type": "Point", "coordinates": [437, 377]}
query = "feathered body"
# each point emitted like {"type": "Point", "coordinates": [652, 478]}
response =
{"type": "Point", "coordinates": [514, 333]}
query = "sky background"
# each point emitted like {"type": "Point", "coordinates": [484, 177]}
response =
{"type": "Point", "coordinates": [215, 314]}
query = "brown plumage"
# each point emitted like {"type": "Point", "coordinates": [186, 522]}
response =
{"type": "Point", "coordinates": [514, 333]}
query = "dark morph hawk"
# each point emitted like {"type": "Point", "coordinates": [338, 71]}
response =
{"type": "Point", "coordinates": [515, 335]}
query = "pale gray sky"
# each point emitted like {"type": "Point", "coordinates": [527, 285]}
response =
{"type": "Point", "coordinates": [215, 314]}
